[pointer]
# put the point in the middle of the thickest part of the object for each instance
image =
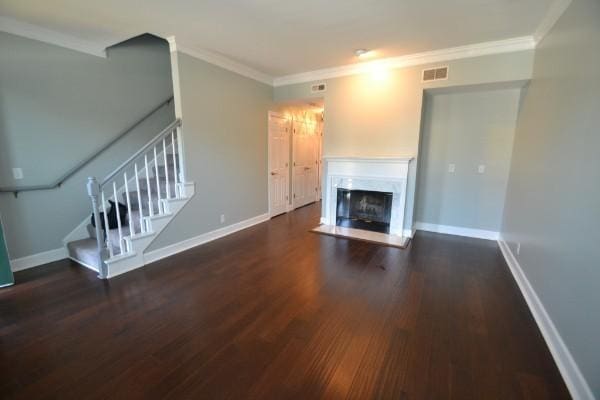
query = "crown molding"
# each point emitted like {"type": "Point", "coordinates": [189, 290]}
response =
{"type": "Point", "coordinates": [40, 34]}
{"type": "Point", "coordinates": [556, 10]}
{"type": "Point", "coordinates": [435, 56]}
{"type": "Point", "coordinates": [220, 61]}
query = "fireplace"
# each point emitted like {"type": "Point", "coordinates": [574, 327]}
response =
{"type": "Point", "coordinates": [364, 209]}
{"type": "Point", "coordinates": [365, 199]}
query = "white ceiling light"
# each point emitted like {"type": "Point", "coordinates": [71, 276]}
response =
{"type": "Point", "coordinates": [363, 53]}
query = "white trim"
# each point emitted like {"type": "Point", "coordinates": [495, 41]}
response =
{"type": "Point", "coordinates": [555, 11]}
{"type": "Point", "coordinates": [220, 61]}
{"type": "Point", "coordinates": [173, 249]}
{"type": "Point", "coordinates": [35, 260]}
{"type": "Point", "coordinates": [38, 33]}
{"type": "Point", "coordinates": [569, 370]}
{"type": "Point", "coordinates": [435, 56]}
{"type": "Point", "coordinates": [387, 160]}
{"type": "Point", "coordinates": [457, 230]}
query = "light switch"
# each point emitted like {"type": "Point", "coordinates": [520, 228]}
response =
{"type": "Point", "coordinates": [17, 173]}
{"type": "Point", "coordinates": [451, 168]}
{"type": "Point", "coordinates": [481, 169]}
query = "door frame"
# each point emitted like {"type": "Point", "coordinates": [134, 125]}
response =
{"type": "Point", "coordinates": [288, 208]}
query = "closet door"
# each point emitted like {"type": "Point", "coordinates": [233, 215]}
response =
{"type": "Point", "coordinates": [279, 158]}
{"type": "Point", "coordinates": [305, 164]}
{"type": "Point", "coordinates": [319, 146]}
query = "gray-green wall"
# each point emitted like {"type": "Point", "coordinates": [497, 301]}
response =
{"type": "Point", "coordinates": [57, 106]}
{"type": "Point", "coordinates": [466, 128]}
{"type": "Point", "coordinates": [553, 197]}
{"type": "Point", "coordinates": [225, 134]}
{"type": "Point", "coordinates": [367, 115]}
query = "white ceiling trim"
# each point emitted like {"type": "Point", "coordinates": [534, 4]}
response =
{"type": "Point", "coordinates": [453, 53]}
{"type": "Point", "coordinates": [221, 61]}
{"type": "Point", "coordinates": [35, 32]}
{"type": "Point", "coordinates": [556, 10]}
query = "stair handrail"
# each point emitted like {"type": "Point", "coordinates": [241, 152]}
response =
{"type": "Point", "coordinates": [58, 183]}
{"type": "Point", "coordinates": [127, 163]}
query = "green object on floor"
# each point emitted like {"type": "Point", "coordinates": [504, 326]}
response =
{"type": "Point", "coordinates": [6, 276]}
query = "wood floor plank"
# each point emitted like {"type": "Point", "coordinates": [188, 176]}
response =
{"type": "Point", "coordinates": [277, 312]}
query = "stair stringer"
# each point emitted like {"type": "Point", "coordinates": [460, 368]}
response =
{"type": "Point", "coordinates": [120, 264]}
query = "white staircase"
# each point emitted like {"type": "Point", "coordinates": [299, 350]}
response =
{"type": "Point", "coordinates": [151, 186]}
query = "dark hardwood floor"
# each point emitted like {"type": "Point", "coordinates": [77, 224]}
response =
{"type": "Point", "coordinates": [277, 312]}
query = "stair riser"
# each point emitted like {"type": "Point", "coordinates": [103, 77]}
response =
{"type": "Point", "coordinates": [161, 172]}
{"type": "Point", "coordinates": [153, 186]}
{"type": "Point", "coordinates": [144, 197]}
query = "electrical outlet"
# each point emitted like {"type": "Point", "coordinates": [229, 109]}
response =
{"type": "Point", "coordinates": [451, 168]}
{"type": "Point", "coordinates": [18, 173]}
{"type": "Point", "coordinates": [222, 218]}
{"type": "Point", "coordinates": [518, 248]}
{"type": "Point", "coordinates": [481, 169]}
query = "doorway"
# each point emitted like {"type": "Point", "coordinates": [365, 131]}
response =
{"type": "Point", "coordinates": [295, 155]}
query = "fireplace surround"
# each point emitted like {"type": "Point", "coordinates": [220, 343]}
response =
{"type": "Point", "coordinates": [362, 175]}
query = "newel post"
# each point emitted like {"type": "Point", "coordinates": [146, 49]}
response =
{"type": "Point", "coordinates": [93, 189]}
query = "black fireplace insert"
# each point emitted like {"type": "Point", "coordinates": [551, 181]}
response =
{"type": "Point", "coordinates": [364, 209]}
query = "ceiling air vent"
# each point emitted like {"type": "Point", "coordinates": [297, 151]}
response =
{"type": "Point", "coordinates": [435, 74]}
{"type": "Point", "coordinates": [318, 87]}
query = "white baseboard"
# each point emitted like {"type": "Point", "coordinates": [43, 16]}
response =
{"type": "Point", "coordinates": [457, 230]}
{"type": "Point", "coordinates": [35, 260]}
{"type": "Point", "coordinates": [569, 370]}
{"type": "Point", "coordinates": [170, 250]}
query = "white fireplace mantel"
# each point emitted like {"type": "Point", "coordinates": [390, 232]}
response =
{"type": "Point", "coordinates": [384, 174]}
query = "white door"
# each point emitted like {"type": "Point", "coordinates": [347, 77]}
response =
{"type": "Point", "coordinates": [279, 161]}
{"type": "Point", "coordinates": [305, 164]}
{"type": "Point", "coordinates": [320, 160]}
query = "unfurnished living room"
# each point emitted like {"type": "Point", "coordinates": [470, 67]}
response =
{"type": "Point", "coordinates": [262, 199]}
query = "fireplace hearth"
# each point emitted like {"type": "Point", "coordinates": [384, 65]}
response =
{"type": "Point", "coordinates": [364, 209]}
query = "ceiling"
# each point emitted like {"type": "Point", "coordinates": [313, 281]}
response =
{"type": "Point", "coordinates": [280, 37]}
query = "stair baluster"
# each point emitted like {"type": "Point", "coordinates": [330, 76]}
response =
{"type": "Point", "coordinates": [139, 199]}
{"type": "Point", "coordinates": [157, 181]}
{"type": "Point", "coordinates": [128, 200]}
{"type": "Point", "coordinates": [166, 166]}
{"type": "Point", "coordinates": [150, 208]}
{"type": "Point", "coordinates": [180, 154]}
{"type": "Point", "coordinates": [119, 227]}
{"type": "Point", "coordinates": [107, 239]}
{"type": "Point", "coordinates": [175, 175]}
